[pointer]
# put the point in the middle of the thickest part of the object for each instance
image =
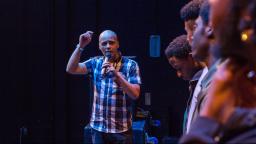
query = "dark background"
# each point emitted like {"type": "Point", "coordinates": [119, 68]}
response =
{"type": "Point", "coordinates": [37, 39]}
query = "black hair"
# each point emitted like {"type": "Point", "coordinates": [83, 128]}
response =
{"type": "Point", "coordinates": [179, 47]}
{"type": "Point", "coordinates": [204, 12]}
{"type": "Point", "coordinates": [191, 10]}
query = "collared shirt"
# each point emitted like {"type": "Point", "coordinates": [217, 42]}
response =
{"type": "Point", "coordinates": [192, 86]}
{"type": "Point", "coordinates": [111, 111]}
{"type": "Point", "coordinates": [194, 98]}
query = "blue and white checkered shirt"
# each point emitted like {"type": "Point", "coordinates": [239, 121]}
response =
{"type": "Point", "coordinates": [111, 111]}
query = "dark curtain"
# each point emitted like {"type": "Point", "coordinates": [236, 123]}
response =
{"type": "Point", "coordinates": [41, 103]}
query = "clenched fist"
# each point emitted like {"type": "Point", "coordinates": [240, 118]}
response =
{"type": "Point", "coordinates": [85, 39]}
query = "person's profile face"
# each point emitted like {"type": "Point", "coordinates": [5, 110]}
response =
{"type": "Point", "coordinates": [183, 67]}
{"type": "Point", "coordinates": [200, 42]}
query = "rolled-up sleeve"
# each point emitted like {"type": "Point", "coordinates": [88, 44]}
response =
{"type": "Point", "coordinates": [89, 64]}
{"type": "Point", "coordinates": [134, 74]}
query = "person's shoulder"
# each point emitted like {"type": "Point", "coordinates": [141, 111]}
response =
{"type": "Point", "coordinates": [94, 60]}
{"type": "Point", "coordinates": [97, 58]}
{"type": "Point", "coordinates": [128, 60]}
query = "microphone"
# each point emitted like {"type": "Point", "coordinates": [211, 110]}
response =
{"type": "Point", "coordinates": [107, 58]}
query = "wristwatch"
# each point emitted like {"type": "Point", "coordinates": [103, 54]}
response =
{"type": "Point", "coordinates": [80, 49]}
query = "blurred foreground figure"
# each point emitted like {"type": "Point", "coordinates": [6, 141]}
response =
{"type": "Point", "coordinates": [229, 115]}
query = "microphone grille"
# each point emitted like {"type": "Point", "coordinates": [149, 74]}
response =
{"type": "Point", "coordinates": [108, 55]}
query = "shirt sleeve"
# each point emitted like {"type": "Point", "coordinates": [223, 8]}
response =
{"type": "Point", "coordinates": [134, 74]}
{"type": "Point", "coordinates": [90, 64]}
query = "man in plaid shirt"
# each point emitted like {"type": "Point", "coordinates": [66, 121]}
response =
{"type": "Point", "coordinates": [116, 81]}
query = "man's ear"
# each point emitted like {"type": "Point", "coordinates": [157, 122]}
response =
{"type": "Point", "coordinates": [209, 31]}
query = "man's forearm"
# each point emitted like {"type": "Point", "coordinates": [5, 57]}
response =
{"type": "Point", "coordinates": [74, 61]}
{"type": "Point", "coordinates": [132, 90]}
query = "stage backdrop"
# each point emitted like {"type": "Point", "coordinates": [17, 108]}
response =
{"type": "Point", "coordinates": [41, 103]}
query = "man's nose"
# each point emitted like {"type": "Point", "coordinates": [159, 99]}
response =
{"type": "Point", "coordinates": [108, 45]}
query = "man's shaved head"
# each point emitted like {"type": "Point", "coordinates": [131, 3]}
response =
{"type": "Point", "coordinates": [107, 34]}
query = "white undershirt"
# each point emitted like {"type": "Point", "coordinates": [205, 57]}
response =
{"type": "Point", "coordinates": [194, 99]}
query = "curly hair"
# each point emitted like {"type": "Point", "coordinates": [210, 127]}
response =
{"type": "Point", "coordinates": [179, 47]}
{"type": "Point", "coordinates": [191, 10]}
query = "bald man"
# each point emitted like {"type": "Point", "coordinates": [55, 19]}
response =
{"type": "Point", "coordinates": [116, 82]}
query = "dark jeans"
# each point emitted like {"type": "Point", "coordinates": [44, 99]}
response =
{"type": "Point", "coordinates": [111, 138]}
